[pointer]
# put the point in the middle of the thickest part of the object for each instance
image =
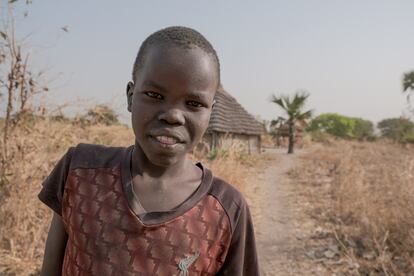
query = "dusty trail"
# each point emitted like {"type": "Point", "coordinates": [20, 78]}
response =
{"type": "Point", "coordinates": [281, 226]}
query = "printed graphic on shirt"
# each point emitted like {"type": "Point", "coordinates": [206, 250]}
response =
{"type": "Point", "coordinates": [107, 238]}
{"type": "Point", "coordinates": [184, 264]}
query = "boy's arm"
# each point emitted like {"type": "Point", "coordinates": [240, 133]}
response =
{"type": "Point", "coordinates": [55, 248]}
{"type": "Point", "coordinates": [52, 194]}
{"type": "Point", "coordinates": [241, 259]}
{"type": "Point", "coordinates": [54, 185]}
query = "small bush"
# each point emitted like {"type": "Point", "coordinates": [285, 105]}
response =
{"type": "Point", "coordinates": [321, 137]}
{"type": "Point", "coordinates": [100, 114]}
{"type": "Point", "coordinates": [397, 129]}
{"type": "Point", "coordinates": [60, 118]}
{"type": "Point", "coordinates": [409, 138]}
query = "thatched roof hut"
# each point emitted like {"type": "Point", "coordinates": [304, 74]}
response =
{"type": "Point", "coordinates": [230, 123]}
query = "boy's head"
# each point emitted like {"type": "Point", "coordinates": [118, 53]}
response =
{"type": "Point", "coordinates": [179, 37]}
{"type": "Point", "coordinates": [175, 77]}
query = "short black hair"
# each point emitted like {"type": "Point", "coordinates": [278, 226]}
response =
{"type": "Point", "coordinates": [176, 36]}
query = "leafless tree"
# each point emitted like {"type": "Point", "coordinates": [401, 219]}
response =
{"type": "Point", "coordinates": [18, 82]}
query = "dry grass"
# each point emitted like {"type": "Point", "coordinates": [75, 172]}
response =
{"type": "Point", "coordinates": [268, 141]}
{"type": "Point", "coordinates": [233, 165]}
{"type": "Point", "coordinates": [365, 194]}
{"type": "Point", "coordinates": [35, 147]}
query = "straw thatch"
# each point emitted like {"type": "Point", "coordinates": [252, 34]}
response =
{"type": "Point", "coordinates": [229, 116]}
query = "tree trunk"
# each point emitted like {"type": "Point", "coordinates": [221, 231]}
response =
{"type": "Point", "coordinates": [7, 119]}
{"type": "Point", "coordinates": [291, 137]}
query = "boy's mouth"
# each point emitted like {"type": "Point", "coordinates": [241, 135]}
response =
{"type": "Point", "coordinates": [166, 140]}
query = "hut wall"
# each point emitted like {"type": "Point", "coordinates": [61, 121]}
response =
{"type": "Point", "coordinates": [240, 142]}
{"type": "Point", "coordinates": [255, 143]}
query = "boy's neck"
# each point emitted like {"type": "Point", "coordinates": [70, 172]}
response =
{"type": "Point", "coordinates": [141, 165]}
{"type": "Point", "coordinates": [163, 188]}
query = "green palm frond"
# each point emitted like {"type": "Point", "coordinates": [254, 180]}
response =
{"type": "Point", "coordinates": [293, 105]}
{"type": "Point", "coordinates": [280, 101]}
{"type": "Point", "coordinates": [305, 115]}
{"type": "Point", "coordinates": [299, 98]}
{"type": "Point", "coordinates": [278, 121]}
{"type": "Point", "coordinates": [408, 81]}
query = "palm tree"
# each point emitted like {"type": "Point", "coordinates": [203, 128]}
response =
{"type": "Point", "coordinates": [408, 83]}
{"type": "Point", "coordinates": [293, 108]}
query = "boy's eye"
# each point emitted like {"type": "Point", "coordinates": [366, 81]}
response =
{"type": "Point", "coordinates": [154, 95]}
{"type": "Point", "coordinates": [195, 104]}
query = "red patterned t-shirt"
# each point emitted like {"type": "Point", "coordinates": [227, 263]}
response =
{"type": "Point", "coordinates": [208, 234]}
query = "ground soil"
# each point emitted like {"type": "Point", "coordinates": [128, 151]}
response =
{"type": "Point", "coordinates": [282, 226]}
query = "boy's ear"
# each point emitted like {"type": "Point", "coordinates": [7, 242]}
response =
{"type": "Point", "coordinates": [129, 94]}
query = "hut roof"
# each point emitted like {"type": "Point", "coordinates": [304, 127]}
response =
{"type": "Point", "coordinates": [230, 117]}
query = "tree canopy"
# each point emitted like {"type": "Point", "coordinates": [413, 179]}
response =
{"type": "Point", "coordinates": [408, 82]}
{"type": "Point", "coordinates": [398, 129]}
{"type": "Point", "coordinates": [293, 105]}
{"type": "Point", "coordinates": [343, 126]}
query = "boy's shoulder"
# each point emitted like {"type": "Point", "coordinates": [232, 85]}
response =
{"type": "Point", "coordinates": [95, 156]}
{"type": "Point", "coordinates": [226, 193]}
{"type": "Point", "coordinates": [230, 198]}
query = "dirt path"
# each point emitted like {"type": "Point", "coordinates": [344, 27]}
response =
{"type": "Point", "coordinates": [281, 226]}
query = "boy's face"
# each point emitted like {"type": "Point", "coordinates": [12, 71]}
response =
{"type": "Point", "coordinates": [171, 102]}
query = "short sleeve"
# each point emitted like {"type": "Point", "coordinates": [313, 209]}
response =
{"type": "Point", "coordinates": [53, 187]}
{"type": "Point", "coordinates": [241, 259]}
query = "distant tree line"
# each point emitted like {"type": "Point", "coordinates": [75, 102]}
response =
{"type": "Point", "coordinates": [397, 129]}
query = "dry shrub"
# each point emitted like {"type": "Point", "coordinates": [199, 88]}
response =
{"type": "Point", "coordinates": [35, 146]}
{"type": "Point", "coordinates": [369, 204]}
{"type": "Point", "coordinates": [268, 140]}
{"type": "Point", "coordinates": [100, 114]}
{"type": "Point", "coordinates": [321, 137]}
{"type": "Point", "coordinates": [232, 164]}
{"type": "Point", "coordinates": [306, 140]}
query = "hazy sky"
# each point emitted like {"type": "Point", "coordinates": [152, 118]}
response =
{"type": "Point", "coordinates": [350, 55]}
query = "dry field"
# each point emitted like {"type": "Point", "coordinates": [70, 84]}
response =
{"type": "Point", "coordinates": [362, 196]}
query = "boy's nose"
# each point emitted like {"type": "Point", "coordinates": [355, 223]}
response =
{"type": "Point", "coordinates": [172, 117]}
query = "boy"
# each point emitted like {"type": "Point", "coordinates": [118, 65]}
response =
{"type": "Point", "coordinates": [146, 209]}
